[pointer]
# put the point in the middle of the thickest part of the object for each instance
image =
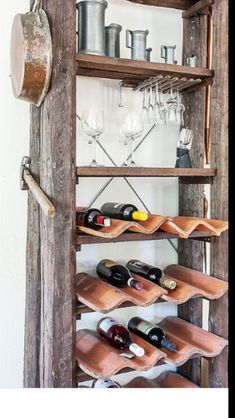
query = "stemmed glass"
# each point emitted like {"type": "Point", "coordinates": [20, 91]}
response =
{"type": "Point", "coordinates": [132, 128]}
{"type": "Point", "coordinates": [93, 125]}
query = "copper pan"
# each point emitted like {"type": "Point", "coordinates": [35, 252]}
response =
{"type": "Point", "coordinates": [31, 55]}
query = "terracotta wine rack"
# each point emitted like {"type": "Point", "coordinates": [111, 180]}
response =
{"type": "Point", "coordinates": [181, 226]}
{"type": "Point", "coordinates": [102, 297]}
{"type": "Point", "coordinates": [165, 380]}
{"type": "Point", "coordinates": [191, 341]}
{"type": "Point", "coordinates": [191, 284]}
{"type": "Point", "coordinates": [100, 360]}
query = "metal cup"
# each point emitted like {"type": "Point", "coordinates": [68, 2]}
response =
{"type": "Point", "coordinates": [191, 61]}
{"type": "Point", "coordinates": [112, 40]}
{"type": "Point", "coordinates": [91, 34]}
{"type": "Point", "coordinates": [167, 52]}
{"type": "Point", "coordinates": [136, 40]}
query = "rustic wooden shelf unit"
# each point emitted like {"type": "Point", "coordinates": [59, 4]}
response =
{"type": "Point", "coordinates": [51, 311]}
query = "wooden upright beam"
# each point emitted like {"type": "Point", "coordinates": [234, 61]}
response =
{"type": "Point", "coordinates": [33, 266]}
{"type": "Point", "coordinates": [218, 316]}
{"type": "Point", "coordinates": [191, 196]}
{"type": "Point", "coordinates": [174, 4]}
{"type": "Point", "coordinates": [58, 180]}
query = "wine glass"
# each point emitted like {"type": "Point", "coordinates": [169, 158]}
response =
{"type": "Point", "coordinates": [93, 125]}
{"type": "Point", "coordinates": [132, 128]}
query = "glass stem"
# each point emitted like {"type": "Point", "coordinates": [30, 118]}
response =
{"type": "Point", "coordinates": [125, 164]}
{"type": "Point", "coordinates": [94, 162]}
{"type": "Point", "coordinates": [132, 153]}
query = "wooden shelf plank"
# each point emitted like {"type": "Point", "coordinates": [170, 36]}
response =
{"type": "Point", "coordinates": [136, 71]}
{"type": "Point", "coordinates": [134, 236]}
{"type": "Point", "coordinates": [173, 4]}
{"type": "Point", "coordinates": [201, 175]}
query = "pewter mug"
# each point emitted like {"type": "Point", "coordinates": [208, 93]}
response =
{"type": "Point", "coordinates": [167, 52]}
{"type": "Point", "coordinates": [112, 40]}
{"type": "Point", "coordinates": [91, 34]}
{"type": "Point", "coordinates": [191, 61]}
{"type": "Point", "coordinates": [137, 44]}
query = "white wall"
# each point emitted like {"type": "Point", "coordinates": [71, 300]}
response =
{"type": "Point", "coordinates": [159, 149]}
{"type": "Point", "coordinates": [165, 26]}
{"type": "Point", "coordinates": [14, 128]}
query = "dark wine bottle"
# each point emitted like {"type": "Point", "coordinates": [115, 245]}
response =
{"type": "Point", "coordinates": [118, 336]}
{"type": "Point", "coordinates": [91, 218]}
{"type": "Point", "coordinates": [154, 274]}
{"type": "Point", "coordinates": [126, 212]}
{"type": "Point", "coordinates": [117, 275]}
{"type": "Point", "coordinates": [151, 333]}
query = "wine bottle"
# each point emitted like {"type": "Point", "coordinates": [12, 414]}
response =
{"type": "Point", "coordinates": [91, 218]}
{"type": "Point", "coordinates": [118, 336]}
{"type": "Point", "coordinates": [154, 274]}
{"type": "Point", "coordinates": [151, 333]}
{"type": "Point", "coordinates": [126, 212]}
{"type": "Point", "coordinates": [117, 275]}
{"type": "Point", "coordinates": [102, 384]}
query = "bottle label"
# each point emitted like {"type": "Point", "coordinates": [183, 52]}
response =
{"type": "Point", "coordinates": [107, 323]}
{"type": "Point", "coordinates": [137, 350]}
{"type": "Point", "coordinates": [145, 327]}
{"type": "Point", "coordinates": [105, 384]}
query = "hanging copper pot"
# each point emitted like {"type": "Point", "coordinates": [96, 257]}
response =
{"type": "Point", "coordinates": [31, 55]}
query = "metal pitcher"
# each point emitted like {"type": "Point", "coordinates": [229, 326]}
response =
{"type": "Point", "coordinates": [91, 34]}
{"type": "Point", "coordinates": [112, 40]}
{"type": "Point", "coordinates": [137, 44]}
{"type": "Point", "coordinates": [167, 52]}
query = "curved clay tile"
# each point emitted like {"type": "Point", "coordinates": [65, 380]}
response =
{"type": "Point", "coordinates": [103, 297]}
{"type": "Point", "coordinates": [165, 380]}
{"type": "Point", "coordinates": [100, 360]}
{"type": "Point", "coordinates": [190, 340]}
{"type": "Point", "coordinates": [192, 283]}
{"type": "Point", "coordinates": [118, 227]}
{"type": "Point", "coordinates": [182, 226]}
{"type": "Point", "coordinates": [186, 225]}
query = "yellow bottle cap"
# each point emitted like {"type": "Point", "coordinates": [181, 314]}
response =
{"type": "Point", "coordinates": [140, 216]}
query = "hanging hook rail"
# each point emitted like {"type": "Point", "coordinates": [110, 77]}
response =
{"type": "Point", "coordinates": [166, 83]}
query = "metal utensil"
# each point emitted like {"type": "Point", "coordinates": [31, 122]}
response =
{"type": "Point", "coordinates": [91, 29]}
{"type": "Point", "coordinates": [167, 52]}
{"type": "Point", "coordinates": [112, 40]}
{"type": "Point", "coordinates": [136, 40]}
{"type": "Point", "coordinates": [31, 55]}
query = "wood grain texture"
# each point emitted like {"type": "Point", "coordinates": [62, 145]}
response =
{"type": "Point", "coordinates": [218, 316]}
{"type": "Point", "coordinates": [200, 7]}
{"type": "Point", "coordinates": [57, 167]}
{"type": "Point", "coordinates": [200, 174]}
{"type": "Point", "coordinates": [174, 4]}
{"type": "Point", "coordinates": [122, 68]}
{"type": "Point", "coordinates": [191, 196]}
{"type": "Point", "coordinates": [129, 236]}
{"type": "Point", "coordinates": [33, 266]}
